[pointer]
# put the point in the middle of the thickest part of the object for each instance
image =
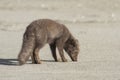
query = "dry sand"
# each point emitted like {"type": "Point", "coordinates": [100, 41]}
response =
{"type": "Point", "coordinates": [95, 23]}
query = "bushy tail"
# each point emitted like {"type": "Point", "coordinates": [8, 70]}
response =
{"type": "Point", "coordinates": [27, 48]}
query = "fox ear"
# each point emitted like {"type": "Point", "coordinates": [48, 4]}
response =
{"type": "Point", "coordinates": [72, 42]}
{"type": "Point", "coordinates": [76, 40]}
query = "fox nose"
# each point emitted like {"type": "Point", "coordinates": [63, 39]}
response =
{"type": "Point", "coordinates": [74, 59]}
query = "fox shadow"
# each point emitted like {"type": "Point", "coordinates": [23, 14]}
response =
{"type": "Point", "coordinates": [8, 61]}
{"type": "Point", "coordinates": [14, 62]}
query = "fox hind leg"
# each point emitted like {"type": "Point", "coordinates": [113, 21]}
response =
{"type": "Point", "coordinates": [35, 56]}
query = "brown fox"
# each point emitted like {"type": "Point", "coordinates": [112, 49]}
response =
{"type": "Point", "coordinates": [43, 31]}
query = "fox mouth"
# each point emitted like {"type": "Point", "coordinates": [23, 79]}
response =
{"type": "Point", "coordinates": [73, 58]}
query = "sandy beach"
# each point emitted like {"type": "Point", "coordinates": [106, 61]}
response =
{"type": "Point", "coordinates": [95, 23]}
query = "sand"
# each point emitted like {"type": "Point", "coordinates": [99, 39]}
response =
{"type": "Point", "coordinates": [95, 23]}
